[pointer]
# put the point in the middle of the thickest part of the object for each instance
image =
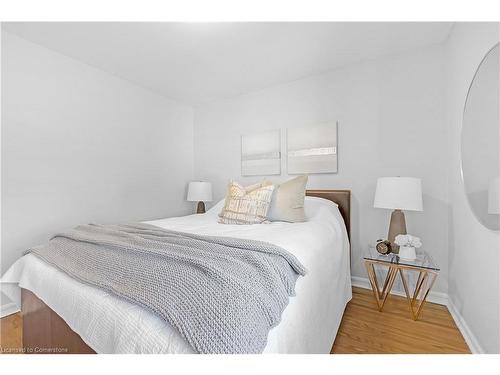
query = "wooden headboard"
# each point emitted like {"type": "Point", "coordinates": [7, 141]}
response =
{"type": "Point", "coordinates": [343, 200]}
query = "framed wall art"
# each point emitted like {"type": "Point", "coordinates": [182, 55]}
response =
{"type": "Point", "coordinates": [312, 149]}
{"type": "Point", "coordinates": [261, 154]}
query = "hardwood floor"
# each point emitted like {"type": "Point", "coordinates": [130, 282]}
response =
{"type": "Point", "coordinates": [363, 329]}
{"type": "Point", "coordinates": [11, 334]}
{"type": "Point", "coordinates": [366, 330]}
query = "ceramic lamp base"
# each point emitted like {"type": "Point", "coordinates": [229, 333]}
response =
{"type": "Point", "coordinates": [200, 209]}
{"type": "Point", "coordinates": [407, 253]}
{"type": "Point", "coordinates": [396, 227]}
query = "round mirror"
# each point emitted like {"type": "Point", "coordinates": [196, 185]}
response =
{"type": "Point", "coordinates": [481, 141]}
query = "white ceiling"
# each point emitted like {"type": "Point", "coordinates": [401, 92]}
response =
{"type": "Point", "coordinates": [199, 62]}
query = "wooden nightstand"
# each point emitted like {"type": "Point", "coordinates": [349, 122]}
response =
{"type": "Point", "coordinates": [424, 265]}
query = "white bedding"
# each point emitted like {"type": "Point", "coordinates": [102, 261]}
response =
{"type": "Point", "coordinates": [110, 324]}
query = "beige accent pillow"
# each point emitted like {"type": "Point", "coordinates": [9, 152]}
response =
{"type": "Point", "coordinates": [287, 203]}
{"type": "Point", "coordinates": [246, 205]}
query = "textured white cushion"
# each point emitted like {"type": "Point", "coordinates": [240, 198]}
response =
{"type": "Point", "coordinates": [287, 203]}
{"type": "Point", "coordinates": [246, 205]}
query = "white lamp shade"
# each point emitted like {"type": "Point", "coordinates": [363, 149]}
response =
{"type": "Point", "coordinates": [199, 191]}
{"type": "Point", "coordinates": [403, 193]}
{"type": "Point", "coordinates": [494, 197]}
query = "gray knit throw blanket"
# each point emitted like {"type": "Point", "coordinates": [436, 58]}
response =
{"type": "Point", "coordinates": [223, 294]}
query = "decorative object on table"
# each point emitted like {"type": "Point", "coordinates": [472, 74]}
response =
{"type": "Point", "coordinates": [398, 193]}
{"type": "Point", "coordinates": [261, 154]}
{"type": "Point", "coordinates": [427, 274]}
{"type": "Point", "coordinates": [312, 149]}
{"type": "Point", "coordinates": [201, 192]}
{"type": "Point", "coordinates": [494, 197]}
{"type": "Point", "coordinates": [407, 245]}
{"type": "Point", "coordinates": [383, 247]}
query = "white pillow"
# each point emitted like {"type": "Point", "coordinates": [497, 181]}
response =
{"type": "Point", "coordinates": [313, 205]}
{"type": "Point", "coordinates": [216, 208]}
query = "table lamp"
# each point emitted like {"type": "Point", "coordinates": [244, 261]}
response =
{"type": "Point", "coordinates": [398, 193]}
{"type": "Point", "coordinates": [201, 192]}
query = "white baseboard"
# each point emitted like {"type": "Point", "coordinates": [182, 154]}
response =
{"type": "Point", "coordinates": [434, 297]}
{"type": "Point", "coordinates": [8, 309]}
{"type": "Point", "coordinates": [469, 337]}
{"type": "Point", "coordinates": [441, 299]}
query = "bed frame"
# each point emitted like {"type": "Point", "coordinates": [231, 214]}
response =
{"type": "Point", "coordinates": [44, 331]}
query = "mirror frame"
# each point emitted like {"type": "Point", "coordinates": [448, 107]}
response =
{"type": "Point", "coordinates": [490, 50]}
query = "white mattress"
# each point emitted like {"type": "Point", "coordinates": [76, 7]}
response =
{"type": "Point", "coordinates": [110, 324]}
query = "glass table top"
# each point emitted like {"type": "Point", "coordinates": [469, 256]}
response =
{"type": "Point", "coordinates": [424, 260]}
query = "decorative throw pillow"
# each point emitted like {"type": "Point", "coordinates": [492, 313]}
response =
{"type": "Point", "coordinates": [287, 203]}
{"type": "Point", "coordinates": [246, 205]}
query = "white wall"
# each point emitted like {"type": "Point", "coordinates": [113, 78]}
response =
{"type": "Point", "coordinates": [6, 305]}
{"type": "Point", "coordinates": [391, 122]}
{"type": "Point", "coordinates": [474, 254]}
{"type": "Point", "coordinates": [80, 145]}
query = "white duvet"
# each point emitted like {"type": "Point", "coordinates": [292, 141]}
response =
{"type": "Point", "coordinates": [109, 324]}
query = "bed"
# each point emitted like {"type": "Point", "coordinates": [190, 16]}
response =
{"type": "Point", "coordinates": [63, 315]}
